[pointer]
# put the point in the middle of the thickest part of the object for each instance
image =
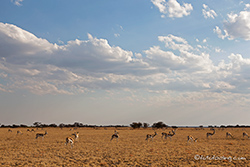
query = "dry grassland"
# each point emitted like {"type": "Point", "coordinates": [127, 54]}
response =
{"type": "Point", "coordinates": [94, 148]}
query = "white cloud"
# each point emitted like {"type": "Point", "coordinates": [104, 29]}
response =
{"type": "Point", "coordinates": [164, 60]}
{"type": "Point", "coordinates": [208, 13]}
{"type": "Point", "coordinates": [220, 86]}
{"type": "Point", "coordinates": [173, 8]}
{"type": "Point", "coordinates": [175, 43]}
{"type": "Point", "coordinates": [25, 43]}
{"type": "Point", "coordinates": [187, 60]}
{"type": "Point", "coordinates": [17, 2]}
{"type": "Point", "coordinates": [60, 41]}
{"type": "Point", "coordinates": [199, 46]}
{"type": "Point", "coordinates": [117, 35]}
{"type": "Point", "coordinates": [236, 26]}
{"type": "Point", "coordinates": [218, 50]}
{"type": "Point", "coordinates": [30, 59]}
{"type": "Point", "coordinates": [218, 31]}
{"type": "Point", "coordinates": [176, 10]}
{"type": "Point", "coordinates": [161, 4]}
{"type": "Point", "coordinates": [36, 65]}
{"type": "Point", "coordinates": [247, 6]}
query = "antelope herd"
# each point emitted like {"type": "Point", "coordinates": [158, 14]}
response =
{"type": "Point", "coordinates": [170, 134]}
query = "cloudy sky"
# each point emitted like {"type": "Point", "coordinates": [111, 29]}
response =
{"type": "Point", "coordinates": [118, 61]}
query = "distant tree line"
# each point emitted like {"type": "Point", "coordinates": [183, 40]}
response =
{"type": "Point", "coordinates": [157, 125]}
{"type": "Point", "coordinates": [160, 125]}
{"type": "Point", "coordinates": [61, 125]}
{"type": "Point", "coordinates": [137, 125]}
{"type": "Point", "coordinates": [230, 126]}
{"type": "Point", "coordinates": [134, 125]}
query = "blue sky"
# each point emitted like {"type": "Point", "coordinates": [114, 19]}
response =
{"type": "Point", "coordinates": [115, 62]}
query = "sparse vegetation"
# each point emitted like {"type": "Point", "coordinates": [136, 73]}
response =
{"type": "Point", "coordinates": [159, 125]}
{"type": "Point", "coordinates": [94, 148]}
{"type": "Point", "coordinates": [136, 125]}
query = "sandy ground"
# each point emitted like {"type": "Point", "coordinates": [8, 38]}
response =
{"type": "Point", "coordinates": [94, 148]}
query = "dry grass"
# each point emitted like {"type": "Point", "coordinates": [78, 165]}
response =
{"type": "Point", "coordinates": [95, 149]}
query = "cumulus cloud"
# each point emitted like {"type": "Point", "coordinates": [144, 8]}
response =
{"type": "Point", "coordinates": [21, 42]}
{"type": "Point", "coordinates": [164, 60]}
{"type": "Point", "coordinates": [207, 12]}
{"type": "Point", "coordinates": [236, 26]}
{"type": "Point", "coordinates": [34, 64]}
{"type": "Point", "coordinates": [79, 63]}
{"type": "Point", "coordinates": [187, 60]}
{"type": "Point", "coordinates": [173, 8]}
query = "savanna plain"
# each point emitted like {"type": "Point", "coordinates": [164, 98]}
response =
{"type": "Point", "coordinates": [94, 148]}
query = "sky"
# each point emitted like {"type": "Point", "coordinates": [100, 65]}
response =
{"type": "Point", "coordinates": [185, 63]}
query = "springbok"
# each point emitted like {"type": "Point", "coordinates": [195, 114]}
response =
{"type": "Point", "coordinates": [115, 135]}
{"type": "Point", "coordinates": [151, 136]}
{"type": "Point", "coordinates": [210, 134]}
{"type": "Point", "coordinates": [69, 140]}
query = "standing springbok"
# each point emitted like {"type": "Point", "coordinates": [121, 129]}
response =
{"type": "Point", "coordinates": [170, 135]}
{"type": "Point", "coordinates": [41, 135]}
{"type": "Point", "coordinates": [69, 140]}
{"type": "Point", "coordinates": [150, 136]}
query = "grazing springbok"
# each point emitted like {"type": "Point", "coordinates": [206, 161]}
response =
{"type": "Point", "coordinates": [245, 134]}
{"type": "Point", "coordinates": [210, 134]}
{"type": "Point", "coordinates": [229, 134]}
{"type": "Point", "coordinates": [191, 138]}
{"type": "Point", "coordinates": [115, 135]}
{"type": "Point", "coordinates": [19, 132]}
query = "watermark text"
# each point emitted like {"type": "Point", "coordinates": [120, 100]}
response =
{"type": "Point", "coordinates": [218, 158]}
